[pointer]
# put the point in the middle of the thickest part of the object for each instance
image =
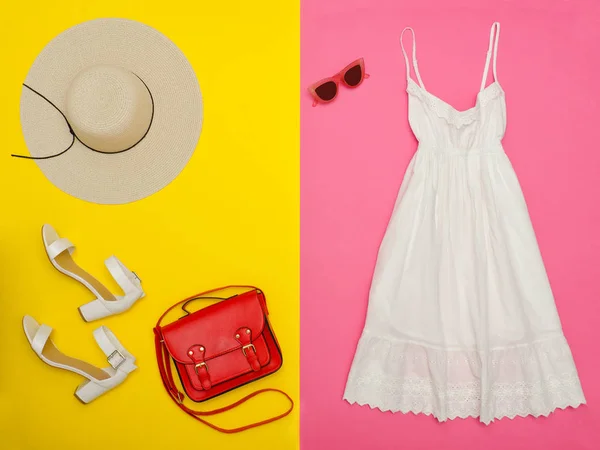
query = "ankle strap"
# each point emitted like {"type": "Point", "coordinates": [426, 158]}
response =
{"type": "Point", "coordinates": [129, 282]}
{"type": "Point", "coordinates": [116, 355]}
{"type": "Point", "coordinates": [125, 278]}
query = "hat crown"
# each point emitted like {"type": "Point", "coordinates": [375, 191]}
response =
{"type": "Point", "coordinates": [109, 108]}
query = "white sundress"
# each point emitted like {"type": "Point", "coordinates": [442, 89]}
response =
{"type": "Point", "coordinates": [461, 320]}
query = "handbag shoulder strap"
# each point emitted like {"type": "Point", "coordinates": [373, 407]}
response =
{"type": "Point", "coordinates": [166, 374]}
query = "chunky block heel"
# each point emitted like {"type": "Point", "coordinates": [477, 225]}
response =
{"type": "Point", "coordinates": [89, 391]}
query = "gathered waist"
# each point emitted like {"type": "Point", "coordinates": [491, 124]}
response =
{"type": "Point", "coordinates": [492, 148]}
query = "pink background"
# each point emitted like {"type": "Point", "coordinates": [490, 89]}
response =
{"type": "Point", "coordinates": [354, 153]}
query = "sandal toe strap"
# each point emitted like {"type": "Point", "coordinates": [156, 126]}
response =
{"type": "Point", "coordinates": [59, 246]}
{"type": "Point", "coordinates": [41, 337]}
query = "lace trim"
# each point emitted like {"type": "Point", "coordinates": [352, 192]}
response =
{"type": "Point", "coordinates": [447, 402]}
{"type": "Point", "coordinates": [450, 114]}
{"type": "Point", "coordinates": [532, 379]}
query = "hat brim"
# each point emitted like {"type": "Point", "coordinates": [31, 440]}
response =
{"type": "Point", "coordinates": [178, 111]}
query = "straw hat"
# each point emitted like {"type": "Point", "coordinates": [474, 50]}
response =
{"type": "Point", "coordinates": [118, 103]}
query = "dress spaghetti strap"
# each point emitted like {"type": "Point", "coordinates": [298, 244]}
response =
{"type": "Point", "coordinates": [414, 56]}
{"type": "Point", "coordinates": [493, 41]}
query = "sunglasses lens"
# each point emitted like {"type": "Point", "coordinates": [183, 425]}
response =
{"type": "Point", "coordinates": [353, 76]}
{"type": "Point", "coordinates": [326, 91]}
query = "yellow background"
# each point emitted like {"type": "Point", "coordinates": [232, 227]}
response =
{"type": "Point", "coordinates": [232, 216]}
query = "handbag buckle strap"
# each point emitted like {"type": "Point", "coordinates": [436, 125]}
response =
{"type": "Point", "coordinates": [201, 364]}
{"type": "Point", "coordinates": [196, 353]}
{"type": "Point", "coordinates": [244, 337]}
{"type": "Point", "coordinates": [245, 347]}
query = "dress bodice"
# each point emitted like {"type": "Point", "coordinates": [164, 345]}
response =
{"type": "Point", "coordinates": [440, 127]}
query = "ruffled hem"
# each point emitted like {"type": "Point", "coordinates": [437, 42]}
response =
{"type": "Point", "coordinates": [531, 379]}
{"type": "Point", "coordinates": [574, 404]}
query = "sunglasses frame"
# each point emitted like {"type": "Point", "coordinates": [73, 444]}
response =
{"type": "Point", "coordinates": [337, 78]}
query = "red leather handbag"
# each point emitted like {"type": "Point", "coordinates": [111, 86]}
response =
{"type": "Point", "coordinates": [217, 349]}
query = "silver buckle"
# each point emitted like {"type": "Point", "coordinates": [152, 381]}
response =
{"type": "Point", "coordinates": [113, 355]}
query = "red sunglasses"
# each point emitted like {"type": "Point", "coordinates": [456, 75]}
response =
{"type": "Point", "coordinates": [326, 90]}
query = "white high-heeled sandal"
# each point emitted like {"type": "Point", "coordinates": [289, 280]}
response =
{"type": "Point", "coordinates": [59, 252]}
{"type": "Point", "coordinates": [99, 381]}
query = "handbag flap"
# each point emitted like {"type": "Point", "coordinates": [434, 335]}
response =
{"type": "Point", "coordinates": [215, 327]}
